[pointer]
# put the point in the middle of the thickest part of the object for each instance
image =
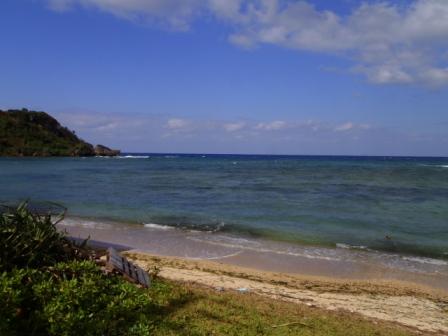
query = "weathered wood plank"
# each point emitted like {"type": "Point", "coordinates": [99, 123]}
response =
{"type": "Point", "coordinates": [127, 268]}
{"type": "Point", "coordinates": [137, 274]}
{"type": "Point", "coordinates": [147, 279]}
{"type": "Point", "coordinates": [143, 276]}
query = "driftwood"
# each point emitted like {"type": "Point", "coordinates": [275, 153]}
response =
{"type": "Point", "coordinates": [128, 269]}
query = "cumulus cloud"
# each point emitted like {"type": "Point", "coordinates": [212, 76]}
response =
{"type": "Point", "coordinates": [175, 14]}
{"type": "Point", "coordinates": [344, 127]}
{"type": "Point", "coordinates": [351, 126]}
{"type": "Point", "coordinates": [271, 126]}
{"type": "Point", "coordinates": [388, 42]}
{"type": "Point", "coordinates": [233, 127]}
{"type": "Point", "coordinates": [177, 123]}
{"type": "Point", "coordinates": [148, 133]}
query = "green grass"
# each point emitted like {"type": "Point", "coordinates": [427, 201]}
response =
{"type": "Point", "coordinates": [77, 299]}
{"type": "Point", "coordinates": [207, 312]}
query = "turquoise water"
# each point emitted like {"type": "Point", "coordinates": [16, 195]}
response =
{"type": "Point", "coordinates": [397, 205]}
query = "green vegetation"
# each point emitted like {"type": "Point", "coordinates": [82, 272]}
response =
{"type": "Point", "coordinates": [207, 312]}
{"type": "Point", "coordinates": [30, 133]}
{"type": "Point", "coordinates": [32, 240]}
{"type": "Point", "coordinates": [48, 287]}
{"type": "Point", "coordinates": [76, 298]}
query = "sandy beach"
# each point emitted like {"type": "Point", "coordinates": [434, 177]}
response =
{"type": "Point", "coordinates": [412, 299]}
{"type": "Point", "coordinates": [399, 302]}
{"type": "Point", "coordinates": [263, 255]}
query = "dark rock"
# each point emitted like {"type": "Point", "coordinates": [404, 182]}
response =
{"type": "Point", "coordinates": [101, 150]}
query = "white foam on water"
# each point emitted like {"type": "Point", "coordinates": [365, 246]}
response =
{"type": "Point", "coordinates": [351, 247]}
{"type": "Point", "coordinates": [86, 223]}
{"type": "Point", "coordinates": [157, 226]}
{"type": "Point", "coordinates": [424, 260]}
{"type": "Point", "coordinates": [133, 157]}
{"type": "Point", "coordinates": [237, 240]}
{"type": "Point", "coordinates": [305, 254]}
{"type": "Point", "coordinates": [219, 257]}
{"type": "Point", "coordinates": [436, 166]}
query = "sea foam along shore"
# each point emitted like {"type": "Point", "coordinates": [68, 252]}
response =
{"type": "Point", "coordinates": [395, 301]}
{"type": "Point", "coordinates": [342, 262]}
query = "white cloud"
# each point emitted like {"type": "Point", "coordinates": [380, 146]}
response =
{"type": "Point", "coordinates": [344, 127]}
{"type": "Point", "coordinates": [226, 9]}
{"type": "Point", "coordinates": [233, 127]}
{"type": "Point", "coordinates": [177, 123]}
{"type": "Point", "coordinates": [175, 14]}
{"type": "Point", "coordinates": [385, 74]}
{"type": "Point", "coordinates": [388, 42]}
{"type": "Point", "coordinates": [271, 126]}
{"type": "Point", "coordinates": [351, 126]}
{"type": "Point", "coordinates": [148, 133]}
{"type": "Point", "coordinates": [435, 76]}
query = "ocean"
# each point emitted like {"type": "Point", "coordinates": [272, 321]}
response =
{"type": "Point", "coordinates": [391, 205]}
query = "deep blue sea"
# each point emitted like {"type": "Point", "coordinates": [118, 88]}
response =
{"type": "Point", "coordinates": [388, 204]}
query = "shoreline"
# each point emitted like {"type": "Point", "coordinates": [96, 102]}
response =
{"type": "Point", "coordinates": [378, 298]}
{"type": "Point", "coordinates": [339, 263]}
{"type": "Point", "coordinates": [105, 223]}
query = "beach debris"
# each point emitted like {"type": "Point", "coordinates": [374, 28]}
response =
{"type": "Point", "coordinates": [311, 305]}
{"type": "Point", "coordinates": [243, 290]}
{"type": "Point", "coordinates": [132, 272]}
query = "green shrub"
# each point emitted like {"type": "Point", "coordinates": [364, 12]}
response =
{"type": "Point", "coordinates": [31, 240]}
{"type": "Point", "coordinates": [76, 298]}
{"type": "Point", "coordinates": [47, 289]}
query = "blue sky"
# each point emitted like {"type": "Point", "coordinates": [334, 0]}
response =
{"type": "Point", "coordinates": [234, 76]}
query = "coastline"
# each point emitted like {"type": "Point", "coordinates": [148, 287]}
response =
{"type": "Point", "coordinates": [340, 263]}
{"type": "Point", "coordinates": [379, 294]}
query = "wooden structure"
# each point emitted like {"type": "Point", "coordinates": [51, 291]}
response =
{"type": "Point", "coordinates": [134, 273]}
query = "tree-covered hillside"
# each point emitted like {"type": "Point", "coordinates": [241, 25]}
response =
{"type": "Point", "coordinates": [30, 133]}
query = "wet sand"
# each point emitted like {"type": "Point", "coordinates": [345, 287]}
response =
{"type": "Point", "coordinates": [267, 256]}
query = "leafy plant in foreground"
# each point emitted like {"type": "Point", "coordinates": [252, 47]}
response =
{"type": "Point", "coordinates": [76, 298]}
{"type": "Point", "coordinates": [29, 239]}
